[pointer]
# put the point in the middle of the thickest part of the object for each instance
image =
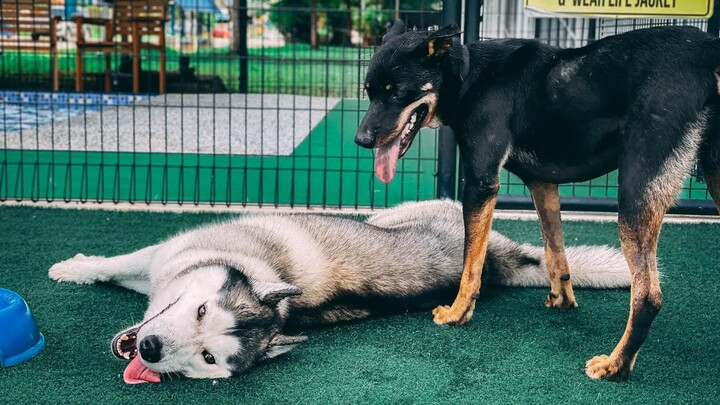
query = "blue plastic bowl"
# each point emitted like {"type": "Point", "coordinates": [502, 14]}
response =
{"type": "Point", "coordinates": [20, 339]}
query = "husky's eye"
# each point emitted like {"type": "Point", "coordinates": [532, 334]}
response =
{"type": "Point", "coordinates": [201, 311]}
{"type": "Point", "coordinates": [209, 358]}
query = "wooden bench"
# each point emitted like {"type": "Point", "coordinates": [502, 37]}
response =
{"type": "Point", "coordinates": [132, 21]}
{"type": "Point", "coordinates": [26, 25]}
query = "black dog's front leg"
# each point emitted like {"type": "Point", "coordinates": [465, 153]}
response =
{"type": "Point", "coordinates": [482, 159]}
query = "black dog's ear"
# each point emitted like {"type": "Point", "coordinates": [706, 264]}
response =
{"type": "Point", "coordinates": [270, 293]}
{"type": "Point", "coordinates": [281, 344]}
{"type": "Point", "coordinates": [439, 42]}
{"type": "Point", "coordinates": [397, 29]}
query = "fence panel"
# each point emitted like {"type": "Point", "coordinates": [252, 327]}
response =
{"type": "Point", "coordinates": [260, 105]}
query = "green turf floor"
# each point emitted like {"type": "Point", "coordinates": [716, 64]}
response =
{"type": "Point", "coordinates": [514, 350]}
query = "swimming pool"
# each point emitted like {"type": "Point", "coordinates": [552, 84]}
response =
{"type": "Point", "coordinates": [21, 110]}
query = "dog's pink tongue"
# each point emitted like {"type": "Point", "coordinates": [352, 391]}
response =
{"type": "Point", "coordinates": [386, 161]}
{"type": "Point", "coordinates": [137, 373]}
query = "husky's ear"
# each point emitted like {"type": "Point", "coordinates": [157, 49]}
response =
{"type": "Point", "coordinates": [439, 42]}
{"type": "Point", "coordinates": [397, 29]}
{"type": "Point", "coordinates": [281, 344]}
{"type": "Point", "coordinates": [270, 293]}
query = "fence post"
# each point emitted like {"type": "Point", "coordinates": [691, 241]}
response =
{"type": "Point", "coordinates": [240, 10]}
{"type": "Point", "coordinates": [447, 147]}
{"type": "Point", "coordinates": [713, 26]}
{"type": "Point", "coordinates": [471, 33]}
{"type": "Point", "coordinates": [471, 30]}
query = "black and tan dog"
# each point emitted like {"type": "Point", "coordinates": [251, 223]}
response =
{"type": "Point", "coordinates": [644, 102]}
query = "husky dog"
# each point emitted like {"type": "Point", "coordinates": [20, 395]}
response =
{"type": "Point", "coordinates": [222, 296]}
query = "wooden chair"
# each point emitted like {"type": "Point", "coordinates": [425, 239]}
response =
{"type": "Point", "coordinates": [131, 22]}
{"type": "Point", "coordinates": [26, 25]}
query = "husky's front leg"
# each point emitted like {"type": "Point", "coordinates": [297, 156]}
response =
{"type": "Point", "coordinates": [129, 271]}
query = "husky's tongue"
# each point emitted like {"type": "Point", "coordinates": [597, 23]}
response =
{"type": "Point", "coordinates": [137, 373]}
{"type": "Point", "coordinates": [386, 161]}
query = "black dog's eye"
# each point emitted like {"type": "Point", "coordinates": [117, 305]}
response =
{"type": "Point", "coordinates": [201, 311]}
{"type": "Point", "coordinates": [209, 359]}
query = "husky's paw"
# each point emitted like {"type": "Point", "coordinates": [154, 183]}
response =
{"type": "Point", "coordinates": [80, 269]}
{"type": "Point", "coordinates": [448, 315]}
{"type": "Point", "coordinates": [560, 301]}
{"type": "Point", "coordinates": [606, 367]}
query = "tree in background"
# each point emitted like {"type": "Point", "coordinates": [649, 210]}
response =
{"type": "Point", "coordinates": [315, 21]}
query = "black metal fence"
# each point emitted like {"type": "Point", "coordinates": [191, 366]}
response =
{"type": "Point", "coordinates": [239, 102]}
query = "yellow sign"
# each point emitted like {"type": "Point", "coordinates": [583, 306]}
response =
{"type": "Point", "coordinates": [626, 8]}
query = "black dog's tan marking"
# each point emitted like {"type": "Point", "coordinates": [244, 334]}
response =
{"type": "Point", "coordinates": [645, 102]}
{"type": "Point", "coordinates": [477, 233]}
{"type": "Point", "coordinates": [547, 203]}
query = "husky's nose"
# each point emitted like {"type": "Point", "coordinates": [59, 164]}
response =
{"type": "Point", "coordinates": [150, 348]}
{"type": "Point", "coordinates": [366, 137]}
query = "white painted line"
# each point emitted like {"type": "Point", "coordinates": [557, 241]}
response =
{"type": "Point", "coordinates": [518, 215]}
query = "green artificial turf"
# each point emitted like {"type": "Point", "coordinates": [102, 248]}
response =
{"type": "Point", "coordinates": [513, 351]}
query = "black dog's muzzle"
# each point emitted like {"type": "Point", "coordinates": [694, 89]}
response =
{"type": "Point", "coordinates": [366, 137]}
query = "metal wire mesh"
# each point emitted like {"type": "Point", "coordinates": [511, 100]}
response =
{"type": "Point", "coordinates": [260, 105]}
{"type": "Point", "coordinates": [266, 122]}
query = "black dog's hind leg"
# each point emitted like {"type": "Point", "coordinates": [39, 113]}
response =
{"type": "Point", "coordinates": [547, 204]}
{"type": "Point", "coordinates": [648, 184]}
{"type": "Point", "coordinates": [710, 158]}
{"type": "Point", "coordinates": [713, 185]}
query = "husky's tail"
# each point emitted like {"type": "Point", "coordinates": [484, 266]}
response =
{"type": "Point", "coordinates": [508, 262]}
{"type": "Point", "coordinates": [511, 264]}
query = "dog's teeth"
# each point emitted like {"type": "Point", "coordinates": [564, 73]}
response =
{"type": "Point", "coordinates": [126, 356]}
{"type": "Point", "coordinates": [413, 118]}
{"type": "Point", "coordinates": [123, 337]}
{"type": "Point", "coordinates": [407, 129]}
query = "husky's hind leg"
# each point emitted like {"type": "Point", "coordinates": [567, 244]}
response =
{"type": "Point", "coordinates": [129, 271]}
